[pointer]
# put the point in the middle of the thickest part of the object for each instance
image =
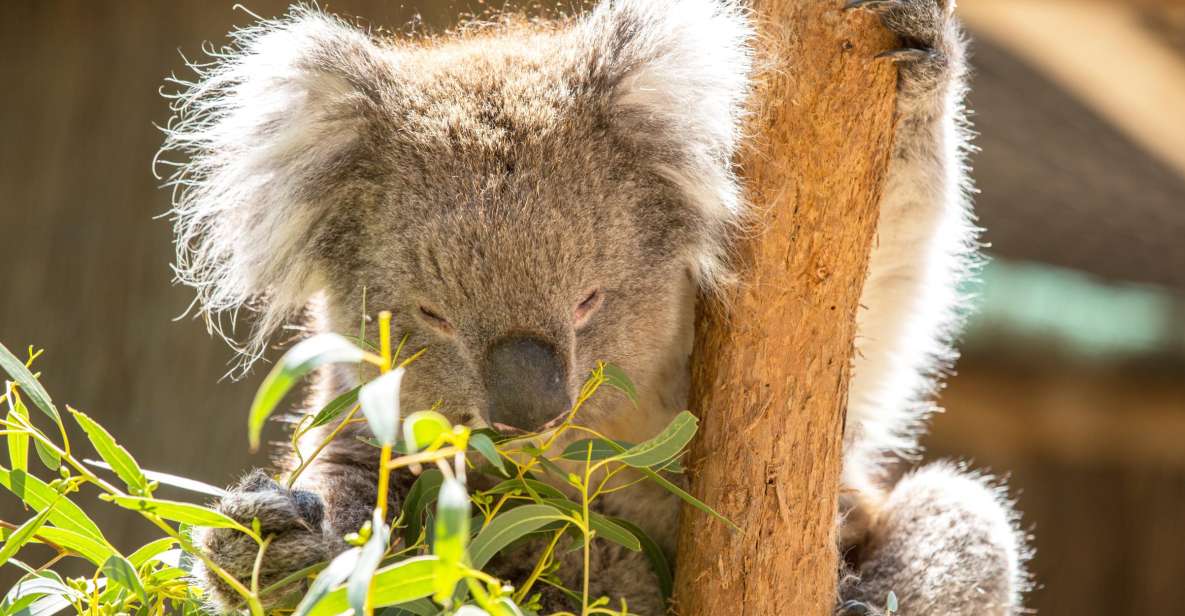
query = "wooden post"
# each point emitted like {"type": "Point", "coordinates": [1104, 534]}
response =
{"type": "Point", "coordinates": [771, 364]}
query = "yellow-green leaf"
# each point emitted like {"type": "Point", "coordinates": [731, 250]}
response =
{"type": "Point", "coordinates": [398, 583]}
{"type": "Point", "coordinates": [195, 515]}
{"type": "Point", "coordinates": [86, 546]}
{"type": "Point", "coordinates": [29, 383]}
{"type": "Point", "coordinates": [22, 534]}
{"type": "Point", "coordinates": [297, 362]}
{"type": "Point", "coordinates": [38, 495]}
{"type": "Point", "coordinates": [507, 527]}
{"type": "Point", "coordinates": [666, 445]}
{"type": "Point", "coordinates": [121, 461]}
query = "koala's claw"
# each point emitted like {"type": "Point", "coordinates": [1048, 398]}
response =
{"type": "Point", "coordinates": [931, 53]}
{"type": "Point", "coordinates": [292, 518]}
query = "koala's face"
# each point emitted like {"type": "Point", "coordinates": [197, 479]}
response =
{"type": "Point", "coordinates": [517, 268]}
{"type": "Point", "coordinates": [526, 201]}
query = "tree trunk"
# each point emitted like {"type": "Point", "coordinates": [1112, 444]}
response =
{"type": "Point", "coordinates": [771, 362]}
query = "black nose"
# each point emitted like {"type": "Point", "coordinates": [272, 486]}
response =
{"type": "Point", "coordinates": [526, 382]}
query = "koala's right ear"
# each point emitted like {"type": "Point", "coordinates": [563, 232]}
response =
{"type": "Point", "coordinates": [268, 131]}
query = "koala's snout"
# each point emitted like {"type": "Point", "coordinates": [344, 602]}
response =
{"type": "Point", "coordinates": [526, 382]}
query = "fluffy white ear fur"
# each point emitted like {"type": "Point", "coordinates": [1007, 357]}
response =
{"type": "Point", "coordinates": [680, 72]}
{"type": "Point", "coordinates": [266, 119]}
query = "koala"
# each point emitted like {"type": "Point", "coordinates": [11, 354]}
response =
{"type": "Point", "coordinates": [529, 197]}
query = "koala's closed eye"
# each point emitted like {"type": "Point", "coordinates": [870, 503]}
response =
{"type": "Point", "coordinates": [435, 321]}
{"type": "Point", "coordinates": [587, 307]}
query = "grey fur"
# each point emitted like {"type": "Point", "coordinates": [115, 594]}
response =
{"type": "Point", "coordinates": [481, 185]}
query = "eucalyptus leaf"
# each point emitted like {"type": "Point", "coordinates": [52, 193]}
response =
{"type": "Point", "coordinates": [604, 526]}
{"type": "Point", "coordinates": [656, 556]}
{"type": "Point", "coordinates": [22, 535]}
{"type": "Point", "coordinates": [48, 457]}
{"type": "Point", "coordinates": [484, 445]}
{"type": "Point", "coordinates": [422, 428]}
{"type": "Point", "coordinates": [422, 493]}
{"type": "Point", "coordinates": [616, 378]}
{"type": "Point", "coordinates": [507, 527]}
{"type": "Point", "coordinates": [338, 570]}
{"type": "Point", "coordinates": [86, 546]}
{"type": "Point", "coordinates": [359, 583]}
{"type": "Point", "coordinates": [29, 384]}
{"type": "Point", "coordinates": [119, 570]}
{"type": "Point", "coordinates": [666, 445]}
{"type": "Point", "coordinates": [687, 498]}
{"type": "Point", "coordinates": [151, 551]}
{"type": "Point", "coordinates": [195, 515]}
{"type": "Point", "coordinates": [601, 449]}
{"type": "Point", "coordinates": [531, 487]}
{"type": "Point", "coordinates": [450, 537]}
{"type": "Point", "coordinates": [335, 408]}
{"type": "Point", "coordinates": [301, 359]}
{"type": "Point", "coordinates": [395, 584]}
{"type": "Point", "coordinates": [18, 442]}
{"type": "Point", "coordinates": [380, 404]}
{"type": "Point", "coordinates": [38, 495]}
{"type": "Point", "coordinates": [116, 456]}
{"type": "Point", "coordinates": [184, 483]}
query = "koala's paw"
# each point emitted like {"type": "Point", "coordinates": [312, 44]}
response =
{"type": "Point", "coordinates": [945, 542]}
{"type": "Point", "coordinates": [933, 45]}
{"type": "Point", "coordinates": [291, 517]}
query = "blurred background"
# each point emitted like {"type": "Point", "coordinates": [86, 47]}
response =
{"type": "Point", "coordinates": [1072, 381]}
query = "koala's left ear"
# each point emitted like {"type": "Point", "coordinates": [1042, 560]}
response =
{"type": "Point", "coordinates": [269, 131]}
{"type": "Point", "coordinates": [676, 76]}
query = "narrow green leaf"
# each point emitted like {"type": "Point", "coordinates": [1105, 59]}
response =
{"type": "Point", "coordinates": [42, 584]}
{"type": "Point", "coordinates": [121, 461]}
{"type": "Point", "coordinates": [395, 584]}
{"type": "Point", "coordinates": [18, 442]}
{"type": "Point", "coordinates": [369, 557]}
{"type": "Point", "coordinates": [668, 444]}
{"type": "Point", "coordinates": [422, 428]}
{"type": "Point", "coordinates": [419, 607]}
{"type": "Point", "coordinates": [38, 495]}
{"type": "Point", "coordinates": [119, 570]}
{"type": "Point", "coordinates": [484, 445]}
{"type": "Point", "coordinates": [298, 361]}
{"type": "Point", "coordinates": [616, 378]}
{"type": "Point", "coordinates": [22, 534]}
{"type": "Point", "coordinates": [654, 553]}
{"type": "Point", "coordinates": [48, 457]}
{"type": "Point", "coordinates": [29, 383]}
{"type": "Point", "coordinates": [527, 486]}
{"type": "Point", "coordinates": [150, 551]}
{"type": "Point", "coordinates": [88, 547]}
{"type": "Point", "coordinates": [380, 404]}
{"type": "Point", "coordinates": [338, 570]}
{"type": "Point", "coordinates": [601, 449]}
{"type": "Point", "coordinates": [421, 494]}
{"type": "Point", "coordinates": [687, 498]}
{"type": "Point", "coordinates": [188, 513]}
{"type": "Point", "coordinates": [604, 527]}
{"type": "Point", "coordinates": [18, 445]}
{"type": "Point", "coordinates": [184, 483]}
{"type": "Point", "coordinates": [336, 407]}
{"type": "Point", "coordinates": [450, 537]}
{"type": "Point", "coordinates": [505, 528]}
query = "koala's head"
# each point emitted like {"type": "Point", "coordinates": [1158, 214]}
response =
{"type": "Point", "coordinates": [526, 200]}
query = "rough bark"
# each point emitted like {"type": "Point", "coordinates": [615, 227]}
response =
{"type": "Point", "coordinates": [771, 363]}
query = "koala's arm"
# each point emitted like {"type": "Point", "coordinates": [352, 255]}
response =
{"type": "Point", "coordinates": [334, 496]}
{"type": "Point", "coordinates": [943, 540]}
